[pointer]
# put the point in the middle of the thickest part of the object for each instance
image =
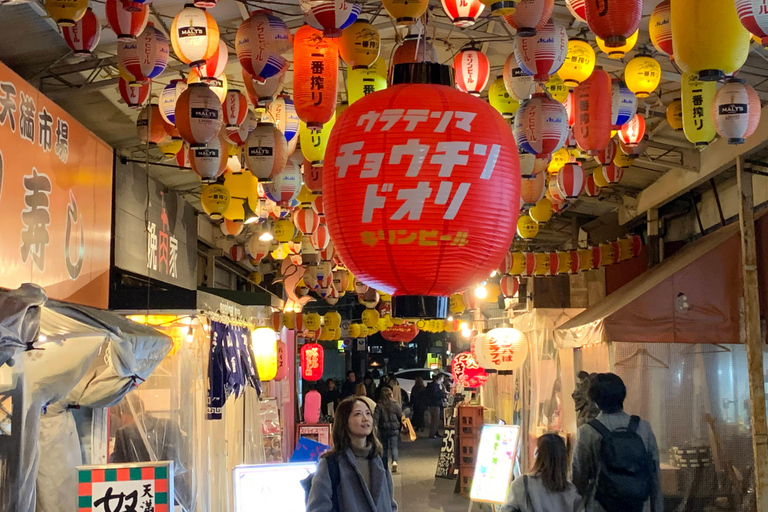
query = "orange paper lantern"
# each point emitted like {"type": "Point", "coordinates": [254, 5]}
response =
{"type": "Point", "coordinates": [592, 102]}
{"type": "Point", "coordinates": [315, 72]}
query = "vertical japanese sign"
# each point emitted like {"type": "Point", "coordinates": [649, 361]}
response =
{"type": "Point", "coordinates": [142, 487]}
{"type": "Point", "coordinates": [155, 229]}
{"type": "Point", "coordinates": [55, 198]}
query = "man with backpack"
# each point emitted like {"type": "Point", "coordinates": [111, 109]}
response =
{"type": "Point", "coordinates": [616, 459]}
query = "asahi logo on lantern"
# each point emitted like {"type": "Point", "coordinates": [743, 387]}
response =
{"type": "Point", "coordinates": [192, 31]}
{"type": "Point", "coordinates": [204, 113]}
{"type": "Point", "coordinates": [733, 109]}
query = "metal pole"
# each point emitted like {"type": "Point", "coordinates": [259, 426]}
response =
{"type": "Point", "coordinates": [753, 341]}
{"type": "Point", "coordinates": [654, 255]}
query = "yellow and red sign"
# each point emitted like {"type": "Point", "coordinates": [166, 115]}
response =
{"type": "Point", "coordinates": [55, 198]}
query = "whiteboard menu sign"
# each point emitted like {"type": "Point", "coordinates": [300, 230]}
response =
{"type": "Point", "coordinates": [495, 461]}
{"type": "Point", "coordinates": [271, 487]}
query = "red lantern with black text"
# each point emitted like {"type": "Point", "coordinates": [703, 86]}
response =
{"type": "Point", "coordinates": [465, 162]}
{"type": "Point", "coordinates": [83, 36]}
{"type": "Point", "coordinates": [312, 359]}
{"type": "Point", "coordinates": [614, 22]}
{"type": "Point", "coordinates": [612, 173]}
{"type": "Point", "coordinates": [315, 76]}
{"type": "Point", "coordinates": [633, 131]}
{"type": "Point", "coordinates": [467, 371]}
{"type": "Point", "coordinates": [592, 102]}
{"type": "Point", "coordinates": [471, 71]}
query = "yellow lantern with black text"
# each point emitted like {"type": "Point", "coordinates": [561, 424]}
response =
{"type": "Point", "coordinates": [363, 81]}
{"type": "Point", "coordinates": [264, 348]}
{"type": "Point", "coordinates": [406, 12]}
{"type": "Point", "coordinates": [621, 159]}
{"type": "Point", "coordinates": [675, 114]}
{"type": "Point", "coordinates": [311, 321]}
{"type": "Point", "coordinates": [353, 330]}
{"type": "Point", "coordinates": [243, 185]}
{"type": "Point", "coordinates": [527, 228]}
{"type": "Point", "coordinates": [456, 304]}
{"type": "Point", "coordinates": [370, 318]}
{"type": "Point", "coordinates": [697, 98]}
{"type": "Point", "coordinates": [606, 255]}
{"type": "Point", "coordinates": [619, 51]}
{"type": "Point", "coordinates": [359, 44]}
{"type": "Point", "coordinates": [501, 100]}
{"type": "Point", "coordinates": [518, 263]}
{"type": "Point", "coordinates": [557, 88]}
{"type": "Point", "coordinates": [215, 200]}
{"type": "Point", "coordinates": [642, 75]}
{"type": "Point", "coordinates": [332, 320]}
{"type": "Point", "coordinates": [585, 259]}
{"type": "Point", "coordinates": [542, 211]}
{"type": "Point", "coordinates": [314, 142]}
{"type": "Point", "coordinates": [66, 12]}
{"type": "Point", "coordinates": [542, 264]}
{"type": "Point", "coordinates": [284, 230]}
{"type": "Point", "coordinates": [563, 262]}
{"type": "Point", "coordinates": [579, 62]}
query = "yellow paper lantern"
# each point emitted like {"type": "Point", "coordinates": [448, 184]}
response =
{"type": "Point", "coordinates": [218, 85]}
{"type": "Point", "coordinates": [363, 81]}
{"type": "Point", "coordinates": [215, 200]}
{"type": "Point", "coordinates": [675, 114]}
{"type": "Point", "coordinates": [711, 41]}
{"type": "Point", "coordinates": [66, 12]}
{"type": "Point", "coordinates": [622, 160]}
{"type": "Point", "coordinates": [542, 211]}
{"type": "Point", "coordinates": [364, 331]}
{"type": "Point", "coordinates": [493, 291]}
{"type": "Point", "coordinates": [311, 321]}
{"type": "Point", "coordinates": [456, 304]}
{"type": "Point", "coordinates": [620, 51]}
{"type": "Point", "coordinates": [606, 255]}
{"type": "Point", "coordinates": [370, 318]}
{"type": "Point", "coordinates": [499, 7]}
{"type": "Point", "coordinates": [381, 325]}
{"type": "Point", "coordinates": [625, 248]}
{"type": "Point", "coordinates": [314, 142]}
{"type": "Point", "coordinates": [500, 99]}
{"type": "Point", "coordinates": [585, 259]}
{"type": "Point", "coordinates": [599, 178]}
{"type": "Point", "coordinates": [255, 278]}
{"type": "Point", "coordinates": [579, 62]}
{"type": "Point", "coordinates": [542, 264]}
{"type": "Point", "coordinates": [642, 75]}
{"type": "Point", "coordinates": [559, 159]}
{"type": "Point", "coordinates": [556, 88]}
{"type": "Point", "coordinates": [518, 263]}
{"type": "Point", "coordinates": [244, 186]}
{"type": "Point", "coordinates": [353, 330]}
{"type": "Point", "coordinates": [406, 12]}
{"type": "Point", "coordinates": [563, 262]}
{"type": "Point", "coordinates": [264, 348]}
{"type": "Point", "coordinates": [359, 44]}
{"type": "Point", "coordinates": [697, 99]}
{"type": "Point", "coordinates": [284, 230]}
{"type": "Point", "coordinates": [332, 320]}
{"type": "Point", "coordinates": [171, 148]}
{"type": "Point", "coordinates": [527, 228]}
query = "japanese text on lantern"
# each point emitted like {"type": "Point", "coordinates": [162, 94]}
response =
{"type": "Point", "coordinates": [317, 82]}
{"type": "Point", "coordinates": [354, 162]}
{"type": "Point", "coordinates": [312, 360]}
{"type": "Point", "coordinates": [698, 108]}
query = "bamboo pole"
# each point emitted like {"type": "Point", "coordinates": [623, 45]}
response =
{"type": "Point", "coordinates": [753, 341]}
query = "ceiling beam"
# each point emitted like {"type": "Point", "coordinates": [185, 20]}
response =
{"type": "Point", "coordinates": [715, 158]}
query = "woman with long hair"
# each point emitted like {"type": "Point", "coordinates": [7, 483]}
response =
{"type": "Point", "coordinates": [362, 482]}
{"type": "Point", "coordinates": [387, 419]}
{"type": "Point", "coordinates": [546, 488]}
{"type": "Point", "coordinates": [418, 403]}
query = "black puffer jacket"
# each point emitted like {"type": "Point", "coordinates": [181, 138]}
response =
{"type": "Point", "coordinates": [387, 418]}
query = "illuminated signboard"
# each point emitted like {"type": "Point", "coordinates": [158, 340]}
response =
{"type": "Point", "coordinates": [495, 460]}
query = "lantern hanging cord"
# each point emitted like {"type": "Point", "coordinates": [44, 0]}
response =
{"type": "Point", "coordinates": [146, 209]}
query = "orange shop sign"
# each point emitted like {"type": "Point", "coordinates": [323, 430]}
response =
{"type": "Point", "coordinates": [55, 198]}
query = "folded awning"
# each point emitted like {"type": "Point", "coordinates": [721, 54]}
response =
{"type": "Point", "coordinates": [691, 297]}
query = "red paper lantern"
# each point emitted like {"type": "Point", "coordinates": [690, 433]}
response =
{"type": "Point", "coordinates": [466, 371]}
{"type": "Point", "coordinates": [660, 27]}
{"type": "Point", "coordinates": [541, 125]}
{"type": "Point", "coordinates": [330, 16]}
{"type": "Point", "coordinates": [146, 57]}
{"type": "Point", "coordinates": [317, 205]}
{"type": "Point", "coordinates": [83, 36]}
{"type": "Point", "coordinates": [232, 228]}
{"type": "Point", "coordinates": [575, 262]}
{"type": "Point", "coordinates": [312, 357]}
{"type": "Point", "coordinates": [612, 173]}
{"type": "Point", "coordinates": [554, 263]}
{"type": "Point", "coordinates": [306, 220]}
{"type": "Point", "coordinates": [463, 13]}
{"type": "Point", "coordinates": [614, 22]}
{"type": "Point", "coordinates": [632, 132]}
{"type": "Point", "coordinates": [315, 72]}
{"type": "Point", "coordinates": [235, 108]}
{"type": "Point", "coordinates": [403, 333]}
{"type": "Point", "coordinates": [198, 115]}
{"type": "Point", "coordinates": [542, 56]}
{"type": "Point", "coordinates": [237, 252]}
{"type": "Point", "coordinates": [150, 126]}
{"type": "Point", "coordinates": [570, 180]}
{"type": "Point", "coordinates": [592, 102]}
{"type": "Point", "coordinates": [214, 66]}
{"type": "Point", "coordinates": [553, 191]}
{"type": "Point", "coordinates": [530, 264]}
{"type": "Point", "coordinates": [471, 71]}
{"type": "Point", "coordinates": [329, 253]}
{"type": "Point", "coordinates": [530, 16]}
{"type": "Point", "coordinates": [127, 24]}
{"type": "Point", "coordinates": [590, 187]}
{"type": "Point", "coordinates": [468, 156]}
{"type": "Point", "coordinates": [506, 263]}
{"type": "Point", "coordinates": [321, 238]}
{"type": "Point", "coordinates": [570, 108]}
{"type": "Point", "coordinates": [509, 286]}
{"type": "Point", "coordinates": [606, 155]}
{"type": "Point", "coordinates": [134, 97]}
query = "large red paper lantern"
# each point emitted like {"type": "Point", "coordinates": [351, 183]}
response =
{"type": "Point", "coordinates": [463, 13]}
{"type": "Point", "coordinates": [133, 97]}
{"type": "Point", "coordinates": [403, 333]}
{"type": "Point", "coordinates": [330, 16]}
{"type": "Point", "coordinates": [570, 180]}
{"type": "Point", "coordinates": [467, 371]}
{"type": "Point", "coordinates": [315, 76]}
{"type": "Point", "coordinates": [614, 22]}
{"type": "Point", "coordinates": [633, 131]}
{"type": "Point", "coordinates": [592, 102]}
{"type": "Point", "coordinates": [198, 115]}
{"type": "Point", "coordinates": [396, 185]}
{"type": "Point", "coordinates": [127, 24]}
{"type": "Point", "coordinates": [312, 358]}
{"type": "Point", "coordinates": [541, 125]}
{"type": "Point", "coordinates": [260, 41]}
{"type": "Point", "coordinates": [83, 36]}
{"type": "Point", "coordinates": [543, 55]}
{"type": "Point", "coordinates": [471, 71]}
{"type": "Point", "coordinates": [530, 16]}
{"type": "Point", "coordinates": [144, 58]}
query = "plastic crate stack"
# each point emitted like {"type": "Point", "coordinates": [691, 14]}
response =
{"type": "Point", "coordinates": [470, 424]}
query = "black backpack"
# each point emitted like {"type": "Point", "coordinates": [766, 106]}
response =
{"type": "Point", "coordinates": [624, 479]}
{"type": "Point", "coordinates": [333, 471]}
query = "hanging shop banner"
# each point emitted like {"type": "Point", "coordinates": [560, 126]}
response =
{"type": "Point", "coordinates": [55, 198]}
{"type": "Point", "coordinates": [140, 487]}
{"type": "Point", "coordinates": [495, 461]}
{"type": "Point", "coordinates": [155, 229]}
